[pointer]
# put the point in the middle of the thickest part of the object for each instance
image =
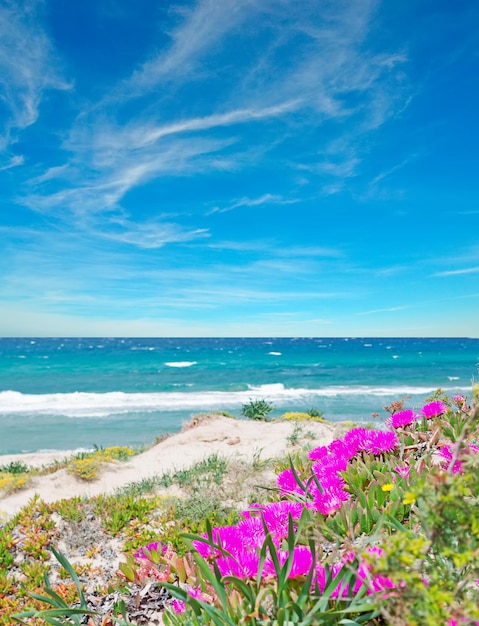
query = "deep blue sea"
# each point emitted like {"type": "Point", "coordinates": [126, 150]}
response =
{"type": "Point", "coordinates": [64, 394]}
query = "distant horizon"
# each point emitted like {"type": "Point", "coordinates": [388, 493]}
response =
{"type": "Point", "coordinates": [235, 337]}
{"type": "Point", "coordinates": [194, 168]}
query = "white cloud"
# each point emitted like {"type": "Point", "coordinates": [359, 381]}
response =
{"type": "Point", "coordinates": [14, 161]}
{"type": "Point", "coordinates": [201, 29]}
{"type": "Point", "coordinates": [266, 198]}
{"type": "Point", "coordinates": [392, 309]}
{"type": "Point", "coordinates": [466, 270]}
{"type": "Point", "coordinates": [331, 61]}
{"type": "Point", "coordinates": [150, 235]}
{"type": "Point", "coordinates": [27, 66]}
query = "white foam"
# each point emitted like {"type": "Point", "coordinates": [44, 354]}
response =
{"type": "Point", "coordinates": [180, 363]}
{"type": "Point", "coordinates": [94, 405]}
{"type": "Point", "coordinates": [275, 353]}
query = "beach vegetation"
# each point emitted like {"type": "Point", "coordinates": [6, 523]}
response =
{"type": "Point", "coordinates": [378, 527]}
{"type": "Point", "coordinates": [87, 465]}
{"type": "Point", "coordinates": [304, 416]}
{"type": "Point", "coordinates": [11, 482]}
{"type": "Point", "coordinates": [257, 410]}
{"type": "Point", "coordinates": [14, 467]}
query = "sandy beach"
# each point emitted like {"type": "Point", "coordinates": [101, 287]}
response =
{"type": "Point", "coordinates": [232, 438]}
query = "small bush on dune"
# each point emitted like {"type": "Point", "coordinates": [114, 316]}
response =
{"type": "Point", "coordinates": [257, 410]}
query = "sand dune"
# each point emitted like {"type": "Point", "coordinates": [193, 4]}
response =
{"type": "Point", "coordinates": [238, 438]}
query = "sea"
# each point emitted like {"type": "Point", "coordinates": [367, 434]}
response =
{"type": "Point", "coordinates": [78, 393]}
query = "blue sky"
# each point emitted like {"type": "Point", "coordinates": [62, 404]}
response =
{"type": "Point", "coordinates": [239, 168]}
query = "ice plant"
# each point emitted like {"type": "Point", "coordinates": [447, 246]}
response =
{"type": "Point", "coordinates": [447, 454]}
{"type": "Point", "coordinates": [402, 470]}
{"type": "Point", "coordinates": [433, 409]}
{"type": "Point", "coordinates": [402, 418]}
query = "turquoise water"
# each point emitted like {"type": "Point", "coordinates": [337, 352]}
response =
{"type": "Point", "coordinates": [59, 394]}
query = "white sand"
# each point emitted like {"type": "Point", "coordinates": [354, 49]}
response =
{"type": "Point", "coordinates": [238, 438]}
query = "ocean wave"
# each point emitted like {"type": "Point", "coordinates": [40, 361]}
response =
{"type": "Point", "coordinates": [180, 363]}
{"type": "Point", "coordinates": [91, 405]}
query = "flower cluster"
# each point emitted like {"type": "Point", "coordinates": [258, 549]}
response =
{"type": "Point", "coordinates": [252, 548]}
{"type": "Point", "coordinates": [327, 489]}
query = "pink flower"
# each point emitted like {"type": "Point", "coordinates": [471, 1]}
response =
{"type": "Point", "coordinates": [318, 453]}
{"type": "Point", "coordinates": [379, 441]}
{"type": "Point", "coordinates": [447, 453]}
{"type": "Point", "coordinates": [329, 501]}
{"type": "Point", "coordinates": [403, 418]}
{"type": "Point", "coordinates": [355, 437]}
{"type": "Point", "coordinates": [287, 483]}
{"type": "Point", "coordinates": [251, 532]}
{"type": "Point", "coordinates": [433, 409]}
{"type": "Point", "coordinates": [244, 565]}
{"type": "Point", "coordinates": [178, 606]}
{"type": "Point", "coordinates": [300, 566]}
{"type": "Point", "coordinates": [403, 471]}
{"type": "Point", "coordinates": [156, 546]}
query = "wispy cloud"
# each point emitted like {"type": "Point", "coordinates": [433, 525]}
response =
{"type": "Point", "coordinates": [267, 198]}
{"type": "Point", "coordinates": [465, 270]}
{"type": "Point", "coordinates": [390, 171]}
{"type": "Point", "coordinates": [331, 61]}
{"type": "Point", "coordinates": [28, 66]}
{"type": "Point", "coordinates": [388, 310]}
{"type": "Point", "coordinates": [108, 158]}
{"type": "Point", "coordinates": [151, 234]}
{"type": "Point", "coordinates": [14, 161]}
{"type": "Point", "coordinates": [201, 28]}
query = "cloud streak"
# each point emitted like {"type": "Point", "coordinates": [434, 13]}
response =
{"type": "Point", "coordinates": [460, 272]}
{"type": "Point", "coordinates": [28, 67]}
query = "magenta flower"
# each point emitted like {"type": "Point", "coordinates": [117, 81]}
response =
{"type": "Point", "coordinates": [433, 409]}
{"type": "Point", "coordinates": [329, 501]}
{"type": "Point", "coordinates": [402, 418]}
{"type": "Point", "coordinates": [379, 441]}
{"type": "Point", "coordinates": [287, 483]}
{"type": "Point", "coordinates": [403, 471]}
{"type": "Point", "coordinates": [178, 606]}
{"type": "Point", "coordinates": [300, 566]}
{"type": "Point", "coordinates": [244, 565]}
{"type": "Point", "coordinates": [156, 546]}
{"type": "Point", "coordinates": [276, 516]}
{"type": "Point", "coordinates": [341, 450]}
{"type": "Point", "coordinates": [318, 453]}
{"type": "Point", "coordinates": [320, 578]}
{"type": "Point", "coordinates": [228, 537]}
{"type": "Point", "coordinates": [354, 438]}
{"type": "Point", "coordinates": [446, 453]}
{"type": "Point", "coordinates": [251, 532]}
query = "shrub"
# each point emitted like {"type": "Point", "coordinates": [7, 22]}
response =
{"type": "Point", "coordinates": [257, 410]}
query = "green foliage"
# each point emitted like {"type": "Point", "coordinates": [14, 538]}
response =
{"type": "Point", "coordinates": [257, 410]}
{"type": "Point", "coordinates": [212, 468]}
{"type": "Point", "coordinates": [14, 467]}
{"type": "Point", "coordinates": [435, 562]}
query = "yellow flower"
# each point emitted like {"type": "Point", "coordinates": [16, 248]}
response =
{"type": "Point", "coordinates": [409, 498]}
{"type": "Point", "coordinates": [387, 487]}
